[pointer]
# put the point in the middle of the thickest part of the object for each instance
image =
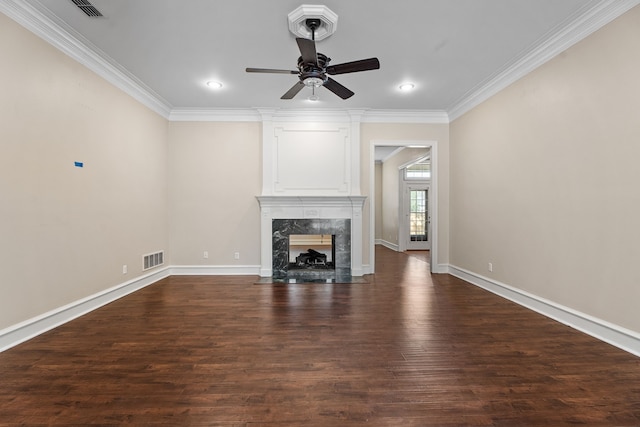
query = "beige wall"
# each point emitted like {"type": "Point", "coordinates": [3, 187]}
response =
{"type": "Point", "coordinates": [544, 179]}
{"type": "Point", "coordinates": [371, 132]}
{"type": "Point", "coordinates": [215, 175]}
{"type": "Point", "coordinates": [66, 232]}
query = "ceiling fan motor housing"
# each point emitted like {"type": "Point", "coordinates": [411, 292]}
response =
{"type": "Point", "coordinates": [314, 71]}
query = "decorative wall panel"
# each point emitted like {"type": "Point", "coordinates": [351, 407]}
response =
{"type": "Point", "coordinates": [312, 161]}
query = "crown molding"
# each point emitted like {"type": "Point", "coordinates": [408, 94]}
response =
{"type": "Point", "coordinates": [578, 27]}
{"type": "Point", "coordinates": [406, 116]}
{"type": "Point", "coordinates": [214, 115]}
{"type": "Point", "coordinates": [257, 114]}
{"type": "Point", "coordinates": [301, 115]}
{"type": "Point", "coordinates": [309, 115]}
{"type": "Point", "coordinates": [51, 29]}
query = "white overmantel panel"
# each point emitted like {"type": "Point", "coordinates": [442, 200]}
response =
{"type": "Point", "coordinates": [311, 154]}
{"type": "Point", "coordinates": [311, 159]}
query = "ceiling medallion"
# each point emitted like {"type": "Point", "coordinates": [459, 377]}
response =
{"type": "Point", "coordinates": [298, 18]}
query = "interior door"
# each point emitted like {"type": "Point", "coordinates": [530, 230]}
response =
{"type": "Point", "coordinates": [417, 219]}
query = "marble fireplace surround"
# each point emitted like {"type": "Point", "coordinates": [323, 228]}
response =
{"type": "Point", "coordinates": [310, 208]}
{"type": "Point", "coordinates": [282, 229]}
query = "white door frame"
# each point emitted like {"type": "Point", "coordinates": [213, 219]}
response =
{"type": "Point", "coordinates": [403, 213]}
{"type": "Point", "coordinates": [433, 145]}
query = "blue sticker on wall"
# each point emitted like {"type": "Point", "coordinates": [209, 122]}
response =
{"type": "Point", "coordinates": [78, 164]}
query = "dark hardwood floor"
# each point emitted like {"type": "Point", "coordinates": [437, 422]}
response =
{"type": "Point", "coordinates": [406, 349]}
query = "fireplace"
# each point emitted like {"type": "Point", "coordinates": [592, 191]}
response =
{"type": "Point", "coordinates": [337, 216]}
{"type": "Point", "coordinates": [335, 265]}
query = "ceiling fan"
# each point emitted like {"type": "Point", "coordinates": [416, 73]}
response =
{"type": "Point", "coordinates": [314, 69]}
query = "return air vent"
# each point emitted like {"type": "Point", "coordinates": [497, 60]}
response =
{"type": "Point", "coordinates": [87, 8]}
{"type": "Point", "coordinates": [152, 260]}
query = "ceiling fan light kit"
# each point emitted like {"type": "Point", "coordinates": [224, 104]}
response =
{"type": "Point", "coordinates": [313, 82]}
{"type": "Point", "coordinates": [313, 66]}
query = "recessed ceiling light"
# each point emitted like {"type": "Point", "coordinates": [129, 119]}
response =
{"type": "Point", "coordinates": [214, 85]}
{"type": "Point", "coordinates": [405, 87]}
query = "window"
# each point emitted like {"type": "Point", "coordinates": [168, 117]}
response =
{"type": "Point", "coordinates": [419, 170]}
{"type": "Point", "coordinates": [418, 216]}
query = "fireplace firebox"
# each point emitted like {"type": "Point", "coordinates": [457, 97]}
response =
{"type": "Point", "coordinates": [311, 252]}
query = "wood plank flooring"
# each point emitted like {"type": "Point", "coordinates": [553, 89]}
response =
{"type": "Point", "coordinates": [405, 349]}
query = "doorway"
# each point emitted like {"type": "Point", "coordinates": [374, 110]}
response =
{"type": "Point", "coordinates": [432, 194]}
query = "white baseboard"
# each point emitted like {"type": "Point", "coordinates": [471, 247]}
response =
{"type": "Point", "coordinates": [615, 335]}
{"type": "Point", "coordinates": [366, 269]}
{"type": "Point", "coordinates": [23, 331]}
{"type": "Point", "coordinates": [388, 245]}
{"type": "Point", "coordinates": [440, 269]}
{"type": "Point", "coordinates": [215, 270]}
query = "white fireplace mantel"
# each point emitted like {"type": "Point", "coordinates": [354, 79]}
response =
{"type": "Point", "coordinates": [310, 207]}
{"type": "Point", "coordinates": [311, 202]}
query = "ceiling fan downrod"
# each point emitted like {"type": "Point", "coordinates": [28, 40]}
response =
{"type": "Point", "coordinates": [313, 24]}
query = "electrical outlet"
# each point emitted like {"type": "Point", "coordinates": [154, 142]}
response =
{"type": "Point", "coordinates": [490, 267]}
{"type": "Point", "coordinates": [205, 254]}
{"type": "Point", "coordinates": [124, 269]}
{"type": "Point", "coordinates": [236, 255]}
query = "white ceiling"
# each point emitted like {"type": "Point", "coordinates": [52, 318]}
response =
{"type": "Point", "coordinates": [450, 49]}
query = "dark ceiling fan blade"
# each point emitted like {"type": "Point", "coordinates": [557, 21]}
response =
{"type": "Point", "coordinates": [293, 91]}
{"type": "Point", "coordinates": [270, 70]}
{"type": "Point", "coordinates": [307, 50]}
{"type": "Point", "coordinates": [338, 89]}
{"type": "Point", "coordinates": [352, 67]}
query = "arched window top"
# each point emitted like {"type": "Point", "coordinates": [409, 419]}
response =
{"type": "Point", "coordinates": [420, 170]}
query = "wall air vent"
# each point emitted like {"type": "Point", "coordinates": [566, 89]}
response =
{"type": "Point", "coordinates": [152, 260]}
{"type": "Point", "coordinates": [87, 8]}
